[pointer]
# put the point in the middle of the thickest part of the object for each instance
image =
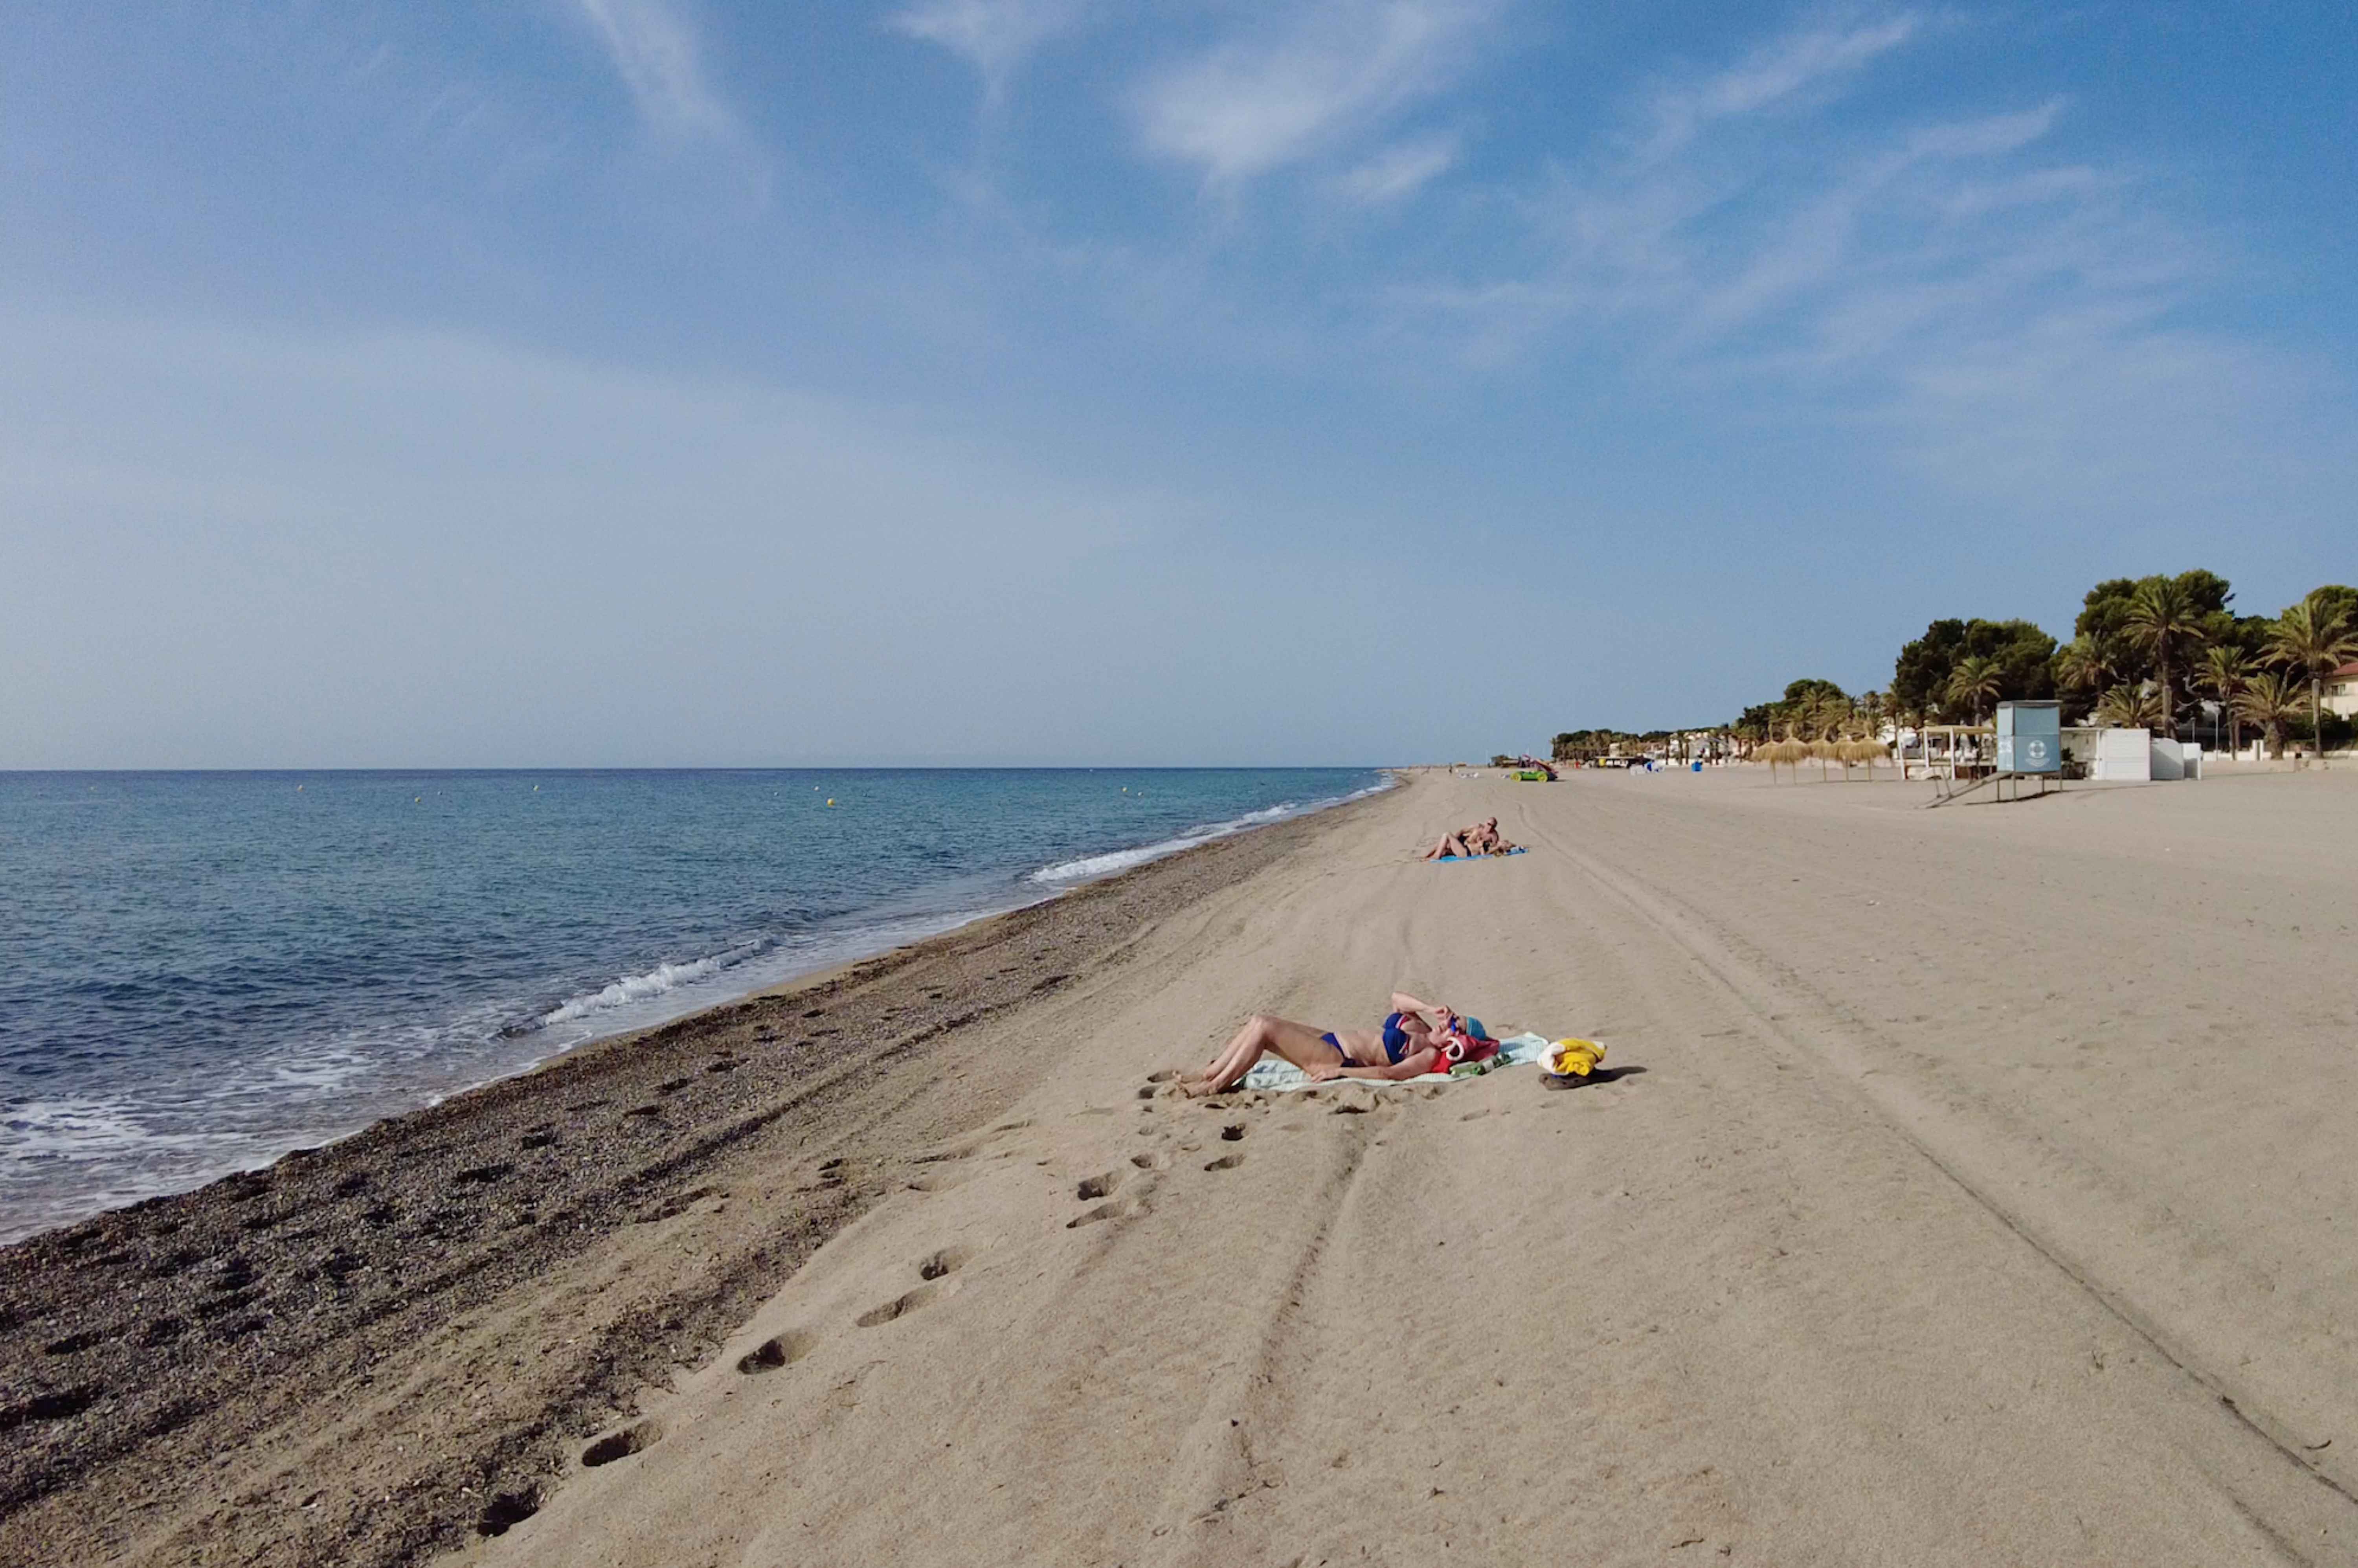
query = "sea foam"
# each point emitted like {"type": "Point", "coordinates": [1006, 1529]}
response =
{"type": "Point", "coordinates": [1093, 866]}
{"type": "Point", "coordinates": [400, 938]}
{"type": "Point", "coordinates": [660, 980]}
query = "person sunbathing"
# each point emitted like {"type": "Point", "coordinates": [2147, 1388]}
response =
{"type": "Point", "coordinates": [1482, 838]}
{"type": "Point", "coordinates": [1416, 1038]}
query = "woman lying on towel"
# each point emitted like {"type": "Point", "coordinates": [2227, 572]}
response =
{"type": "Point", "coordinates": [1482, 838]}
{"type": "Point", "coordinates": [1415, 1039]}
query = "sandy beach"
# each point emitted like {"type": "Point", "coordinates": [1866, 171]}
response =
{"type": "Point", "coordinates": [1975, 1188]}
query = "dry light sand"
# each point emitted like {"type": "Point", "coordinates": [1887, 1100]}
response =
{"type": "Point", "coordinates": [1986, 1198]}
{"type": "Point", "coordinates": [1978, 1189]}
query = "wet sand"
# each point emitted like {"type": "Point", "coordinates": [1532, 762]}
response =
{"type": "Point", "coordinates": [1975, 1188]}
{"type": "Point", "coordinates": [350, 1356]}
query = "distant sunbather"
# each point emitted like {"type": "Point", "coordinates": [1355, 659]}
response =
{"type": "Point", "coordinates": [1466, 843]}
{"type": "Point", "coordinates": [1417, 1038]}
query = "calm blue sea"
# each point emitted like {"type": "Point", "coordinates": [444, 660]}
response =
{"type": "Point", "coordinates": [199, 972]}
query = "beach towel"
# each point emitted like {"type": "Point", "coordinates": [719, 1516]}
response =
{"type": "Point", "coordinates": [1280, 1078]}
{"type": "Point", "coordinates": [1502, 855]}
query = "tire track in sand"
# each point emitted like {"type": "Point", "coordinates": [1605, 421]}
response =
{"type": "Point", "coordinates": [1218, 1462]}
{"type": "Point", "coordinates": [1967, 1146]}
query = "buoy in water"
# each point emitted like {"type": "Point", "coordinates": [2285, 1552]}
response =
{"type": "Point", "coordinates": [830, 800]}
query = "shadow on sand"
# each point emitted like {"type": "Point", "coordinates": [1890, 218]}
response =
{"type": "Point", "coordinates": [1601, 1076]}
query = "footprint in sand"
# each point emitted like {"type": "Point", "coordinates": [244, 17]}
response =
{"type": "Point", "coordinates": [948, 1260]}
{"type": "Point", "coordinates": [1164, 1076]}
{"type": "Point", "coordinates": [1098, 1186]}
{"type": "Point", "coordinates": [53, 1406]}
{"type": "Point", "coordinates": [507, 1511]}
{"type": "Point", "coordinates": [1120, 1209]}
{"type": "Point", "coordinates": [901, 1306]}
{"type": "Point", "coordinates": [1152, 1159]}
{"type": "Point", "coordinates": [1227, 1162]}
{"type": "Point", "coordinates": [782, 1351]}
{"type": "Point", "coordinates": [1232, 1131]}
{"type": "Point", "coordinates": [623, 1444]}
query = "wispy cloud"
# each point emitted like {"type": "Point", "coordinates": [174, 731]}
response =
{"type": "Point", "coordinates": [1730, 213]}
{"type": "Point", "coordinates": [1306, 86]}
{"type": "Point", "coordinates": [1818, 242]}
{"type": "Point", "coordinates": [995, 35]}
{"type": "Point", "coordinates": [655, 53]}
{"type": "Point", "coordinates": [1400, 169]}
{"type": "Point", "coordinates": [2008, 318]}
{"type": "Point", "coordinates": [1812, 58]}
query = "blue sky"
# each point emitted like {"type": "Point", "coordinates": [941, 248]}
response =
{"type": "Point", "coordinates": [579, 381]}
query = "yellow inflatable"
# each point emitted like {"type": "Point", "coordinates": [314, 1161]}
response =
{"type": "Point", "coordinates": [1572, 1058]}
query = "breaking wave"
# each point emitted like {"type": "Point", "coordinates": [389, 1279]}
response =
{"type": "Point", "coordinates": [1093, 866]}
{"type": "Point", "coordinates": [658, 981]}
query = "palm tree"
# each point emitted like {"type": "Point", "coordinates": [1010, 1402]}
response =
{"type": "Point", "coordinates": [2160, 615]}
{"type": "Point", "coordinates": [2130, 706]}
{"type": "Point", "coordinates": [1976, 683]}
{"type": "Point", "coordinates": [2312, 640]}
{"type": "Point", "coordinates": [2226, 670]}
{"type": "Point", "coordinates": [1874, 708]}
{"type": "Point", "coordinates": [2089, 663]}
{"type": "Point", "coordinates": [2268, 701]}
{"type": "Point", "coordinates": [1826, 717]}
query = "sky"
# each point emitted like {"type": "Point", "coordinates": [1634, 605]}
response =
{"type": "Point", "coordinates": [576, 383]}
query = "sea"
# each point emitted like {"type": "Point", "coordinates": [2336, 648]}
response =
{"type": "Point", "coordinates": [199, 972]}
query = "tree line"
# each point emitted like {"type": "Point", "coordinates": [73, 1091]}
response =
{"type": "Point", "coordinates": [2144, 652]}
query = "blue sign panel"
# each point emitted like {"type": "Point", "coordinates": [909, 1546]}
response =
{"type": "Point", "coordinates": [2029, 738]}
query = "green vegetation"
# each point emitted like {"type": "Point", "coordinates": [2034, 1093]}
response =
{"type": "Point", "coordinates": [2313, 639]}
{"type": "Point", "coordinates": [1808, 710]}
{"type": "Point", "coordinates": [2270, 702]}
{"type": "Point", "coordinates": [1587, 745]}
{"type": "Point", "coordinates": [2019, 656]}
{"type": "Point", "coordinates": [2143, 651]}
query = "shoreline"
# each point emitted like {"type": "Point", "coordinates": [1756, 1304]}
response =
{"type": "Point", "coordinates": [884, 928]}
{"type": "Point", "coordinates": [928, 1261]}
{"type": "Point", "coordinates": [143, 1341]}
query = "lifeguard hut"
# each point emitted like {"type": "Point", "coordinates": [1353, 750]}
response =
{"type": "Point", "coordinates": [2029, 746]}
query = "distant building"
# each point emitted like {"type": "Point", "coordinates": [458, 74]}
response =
{"type": "Point", "coordinates": [2341, 691]}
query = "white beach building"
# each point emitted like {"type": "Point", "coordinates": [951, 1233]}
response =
{"type": "Point", "coordinates": [2341, 691]}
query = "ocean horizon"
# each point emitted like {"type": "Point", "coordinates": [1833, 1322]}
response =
{"type": "Point", "coordinates": [202, 970]}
